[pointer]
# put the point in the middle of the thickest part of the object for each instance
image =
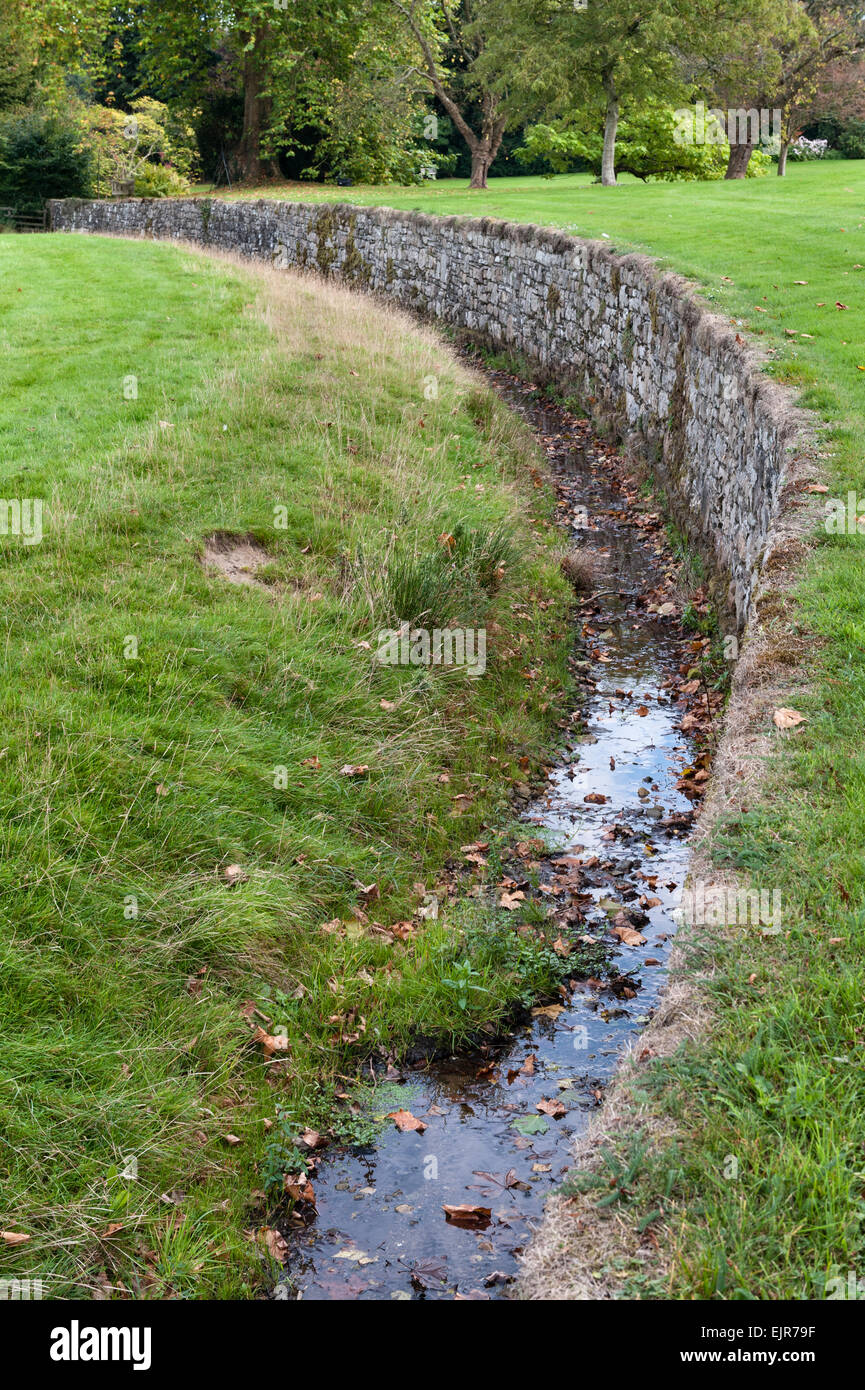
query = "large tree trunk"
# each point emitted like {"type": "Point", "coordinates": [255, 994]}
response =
{"type": "Point", "coordinates": [480, 165]}
{"type": "Point", "coordinates": [611, 126]}
{"type": "Point", "coordinates": [782, 158]}
{"type": "Point", "coordinates": [740, 157]}
{"type": "Point", "coordinates": [256, 111]}
{"type": "Point", "coordinates": [485, 148]}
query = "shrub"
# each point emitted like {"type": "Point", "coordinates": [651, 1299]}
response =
{"type": "Point", "coordinates": [851, 142]}
{"type": "Point", "coordinates": [760, 163]}
{"type": "Point", "coordinates": [40, 157]}
{"type": "Point", "coordinates": [129, 146]}
{"type": "Point", "coordinates": [803, 149]}
{"type": "Point", "coordinates": [159, 181]}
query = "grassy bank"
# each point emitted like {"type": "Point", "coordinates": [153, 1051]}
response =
{"type": "Point", "coordinates": [779, 1085]}
{"type": "Point", "coordinates": [214, 800]}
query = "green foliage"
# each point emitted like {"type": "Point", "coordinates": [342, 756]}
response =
{"type": "Point", "coordinates": [282, 1156]}
{"type": "Point", "coordinates": [451, 583]}
{"type": "Point", "coordinates": [129, 146]}
{"type": "Point", "coordinates": [851, 141]}
{"type": "Point", "coordinates": [18, 52]}
{"type": "Point", "coordinates": [40, 157]}
{"type": "Point", "coordinates": [159, 181]}
{"type": "Point", "coordinates": [645, 146]}
{"type": "Point", "coordinates": [463, 982]}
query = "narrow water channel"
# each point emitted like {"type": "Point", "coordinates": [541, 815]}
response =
{"type": "Point", "coordinates": [380, 1231]}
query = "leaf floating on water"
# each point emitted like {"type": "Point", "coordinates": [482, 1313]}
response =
{"type": "Point", "coordinates": [429, 1273]}
{"type": "Point", "coordinates": [530, 1124]}
{"type": "Point", "coordinates": [547, 1011]}
{"type": "Point", "coordinates": [467, 1215]}
{"type": "Point", "coordinates": [405, 1121]}
{"type": "Point", "coordinates": [628, 936]}
{"type": "Point", "coordinates": [553, 1108]}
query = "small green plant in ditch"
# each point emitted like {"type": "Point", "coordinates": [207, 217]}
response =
{"type": "Point", "coordinates": [282, 1156]}
{"type": "Point", "coordinates": [463, 981]}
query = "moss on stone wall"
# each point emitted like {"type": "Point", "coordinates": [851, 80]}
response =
{"type": "Point", "coordinates": [325, 231]}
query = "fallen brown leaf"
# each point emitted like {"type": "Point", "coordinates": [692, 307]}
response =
{"type": "Point", "coordinates": [275, 1243]}
{"type": "Point", "coordinates": [629, 936]}
{"type": "Point", "coordinates": [269, 1042]}
{"type": "Point", "coordinates": [787, 718]}
{"type": "Point", "coordinates": [467, 1215]}
{"type": "Point", "coordinates": [512, 900]}
{"type": "Point", "coordinates": [553, 1108]}
{"type": "Point", "coordinates": [405, 1121]}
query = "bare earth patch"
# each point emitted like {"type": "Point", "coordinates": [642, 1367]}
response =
{"type": "Point", "coordinates": [236, 557]}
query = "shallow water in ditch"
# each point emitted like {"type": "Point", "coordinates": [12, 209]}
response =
{"type": "Point", "coordinates": [380, 1231]}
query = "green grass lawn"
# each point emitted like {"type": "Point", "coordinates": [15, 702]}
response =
{"type": "Point", "coordinates": [780, 1084]}
{"type": "Point", "coordinates": [161, 724]}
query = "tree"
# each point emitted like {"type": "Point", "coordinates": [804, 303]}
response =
{"type": "Point", "coordinates": [452, 39]}
{"type": "Point", "coordinates": [645, 147]}
{"type": "Point", "coordinates": [41, 156]}
{"type": "Point", "coordinates": [347, 95]}
{"type": "Point", "coordinates": [741, 61]}
{"type": "Point", "coordinates": [574, 61]}
{"type": "Point", "coordinates": [181, 44]}
{"type": "Point", "coordinates": [44, 43]}
{"type": "Point", "coordinates": [321, 73]}
{"type": "Point", "coordinates": [124, 143]}
{"type": "Point", "coordinates": [18, 56]}
{"type": "Point", "coordinates": [834, 39]}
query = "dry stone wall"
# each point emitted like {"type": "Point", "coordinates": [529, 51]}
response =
{"type": "Point", "coordinates": [643, 354]}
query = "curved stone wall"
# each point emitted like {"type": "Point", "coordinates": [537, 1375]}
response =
{"type": "Point", "coordinates": [677, 383]}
